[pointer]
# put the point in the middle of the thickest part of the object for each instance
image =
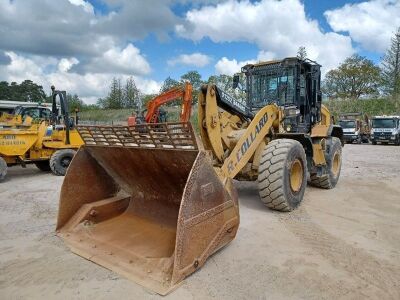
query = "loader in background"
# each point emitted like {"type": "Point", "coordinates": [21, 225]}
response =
{"type": "Point", "coordinates": [49, 144]}
{"type": "Point", "coordinates": [154, 203]}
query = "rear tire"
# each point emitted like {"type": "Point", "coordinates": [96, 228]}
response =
{"type": "Point", "coordinates": [282, 174]}
{"type": "Point", "coordinates": [3, 168]}
{"type": "Point", "coordinates": [60, 161]}
{"type": "Point", "coordinates": [43, 165]}
{"type": "Point", "coordinates": [334, 164]}
{"type": "Point", "coordinates": [373, 143]}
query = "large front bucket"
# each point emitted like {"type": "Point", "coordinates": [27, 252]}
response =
{"type": "Point", "coordinates": [146, 203]}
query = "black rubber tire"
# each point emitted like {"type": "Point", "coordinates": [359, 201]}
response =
{"type": "Point", "coordinates": [43, 165]}
{"type": "Point", "coordinates": [373, 143]}
{"type": "Point", "coordinates": [329, 180]}
{"type": "Point", "coordinates": [60, 161]}
{"type": "Point", "coordinates": [274, 174]}
{"type": "Point", "coordinates": [3, 168]}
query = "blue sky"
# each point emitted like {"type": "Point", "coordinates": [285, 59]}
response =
{"type": "Point", "coordinates": [80, 45]}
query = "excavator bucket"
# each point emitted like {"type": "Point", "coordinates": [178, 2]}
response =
{"type": "Point", "coordinates": [146, 202]}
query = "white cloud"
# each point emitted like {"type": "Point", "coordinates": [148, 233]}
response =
{"type": "Point", "coordinates": [127, 61]}
{"type": "Point", "coordinates": [231, 66]}
{"type": "Point", "coordinates": [65, 64]}
{"type": "Point", "coordinates": [195, 59]}
{"type": "Point", "coordinates": [278, 28]}
{"type": "Point", "coordinates": [370, 23]}
{"type": "Point", "coordinates": [89, 86]}
{"type": "Point", "coordinates": [85, 4]}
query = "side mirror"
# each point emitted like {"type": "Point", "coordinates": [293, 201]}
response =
{"type": "Point", "coordinates": [236, 79]}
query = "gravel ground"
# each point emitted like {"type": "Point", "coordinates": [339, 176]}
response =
{"type": "Point", "coordinates": [340, 244]}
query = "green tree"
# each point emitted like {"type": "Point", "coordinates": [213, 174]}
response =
{"type": "Point", "coordinates": [302, 53]}
{"type": "Point", "coordinates": [194, 78]}
{"type": "Point", "coordinates": [30, 91]}
{"type": "Point", "coordinates": [26, 91]}
{"type": "Point", "coordinates": [74, 103]}
{"type": "Point", "coordinates": [168, 84]}
{"type": "Point", "coordinates": [131, 94]}
{"type": "Point", "coordinates": [114, 99]}
{"type": "Point", "coordinates": [5, 90]}
{"type": "Point", "coordinates": [390, 70]}
{"type": "Point", "coordinates": [357, 76]}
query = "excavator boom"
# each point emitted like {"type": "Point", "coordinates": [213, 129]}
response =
{"type": "Point", "coordinates": [185, 94]}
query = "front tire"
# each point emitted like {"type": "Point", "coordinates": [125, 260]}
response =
{"type": "Point", "coordinates": [60, 161]}
{"type": "Point", "coordinates": [3, 168]}
{"type": "Point", "coordinates": [282, 174]}
{"type": "Point", "coordinates": [333, 159]}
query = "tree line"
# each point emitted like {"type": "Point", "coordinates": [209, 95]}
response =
{"type": "Point", "coordinates": [358, 77]}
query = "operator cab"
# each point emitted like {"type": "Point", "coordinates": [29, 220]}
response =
{"type": "Point", "coordinates": [291, 83]}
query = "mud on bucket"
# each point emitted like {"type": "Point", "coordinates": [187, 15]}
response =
{"type": "Point", "coordinates": [145, 202]}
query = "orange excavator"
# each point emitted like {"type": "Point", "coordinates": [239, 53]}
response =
{"type": "Point", "coordinates": [154, 112]}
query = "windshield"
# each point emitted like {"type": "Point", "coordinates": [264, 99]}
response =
{"type": "Point", "coordinates": [272, 86]}
{"type": "Point", "coordinates": [347, 124]}
{"type": "Point", "coordinates": [383, 123]}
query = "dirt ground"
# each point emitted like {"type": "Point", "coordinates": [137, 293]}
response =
{"type": "Point", "coordinates": [341, 244]}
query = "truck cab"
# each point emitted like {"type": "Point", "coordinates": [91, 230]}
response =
{"type": "Point", "coordinates": [355, 127]}
{"type": "Point", "coordinates": [385, 130]}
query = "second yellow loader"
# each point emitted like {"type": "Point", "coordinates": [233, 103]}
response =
{"type": "Point", "coordinates": [152, 203]}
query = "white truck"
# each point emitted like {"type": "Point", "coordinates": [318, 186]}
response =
{"type": "Point", "coordinates": [385, 130]}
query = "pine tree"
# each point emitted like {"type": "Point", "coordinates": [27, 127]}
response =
{"type": "Point", "coordinates": [114, 99]}
{"type": "Point", "coordinates": [390, 70]}
{"type": "Point", "coordinates": [131, 94]}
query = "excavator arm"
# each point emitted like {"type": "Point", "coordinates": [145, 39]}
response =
{"type": "Point", "coordinates": [173, 94]}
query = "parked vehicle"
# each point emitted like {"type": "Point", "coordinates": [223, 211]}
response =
{"type": "Point", "coordinates": [355, 127]}
{"type": "Point", "coordinates": [385, 130]}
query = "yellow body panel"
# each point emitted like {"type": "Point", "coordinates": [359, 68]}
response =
{"type": "Point", "coordinates": [320, 130]}
{"type": "Point", "coordinates": [28, 144]}
{"type": "Point", "coordinates": [17, 142]}
{"type": "Point", "coordinates": [318, 155]}
{"type": "Point", "coordinates": [326, 118]}
{"type": "Point", "coordinates": [213, 124]}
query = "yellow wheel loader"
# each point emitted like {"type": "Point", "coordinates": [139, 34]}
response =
{"type": "Point", "coordinates": [153, 202]}
{"type": "Point", "coordinates": [48, 145]}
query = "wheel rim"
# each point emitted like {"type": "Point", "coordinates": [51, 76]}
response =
{"type": "Point", "coordinates": [336, 163]}
{"type": "Point", "coordinates": [296, 176]}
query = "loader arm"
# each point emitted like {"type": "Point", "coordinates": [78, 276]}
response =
{"type": "Point", "coordinates": [254, 135]}
{"type": "Point", "coordinates": [173, 94]}
{"type": "Point", "coordinates": [216, 127]}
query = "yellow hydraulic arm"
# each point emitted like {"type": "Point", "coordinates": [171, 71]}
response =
{"type": "Point", "coordinates": [254, 135]}
{"type": "Point", "coordinates": [211, 133]}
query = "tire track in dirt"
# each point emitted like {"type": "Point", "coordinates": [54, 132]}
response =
{"type": "Point", "coordinates": [361, 265]}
